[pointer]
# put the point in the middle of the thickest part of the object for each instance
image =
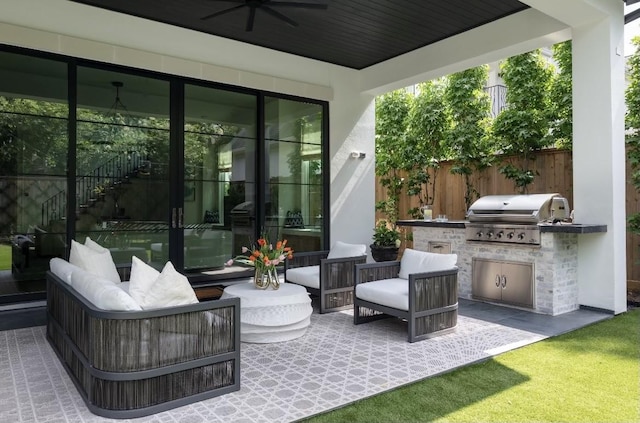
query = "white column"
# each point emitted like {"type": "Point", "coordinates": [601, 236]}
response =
{"type": "Point", "coordinates": [599, 159]}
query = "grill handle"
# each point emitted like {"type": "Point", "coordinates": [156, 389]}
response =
{"type": "Point", "coordinates": [497, 281]}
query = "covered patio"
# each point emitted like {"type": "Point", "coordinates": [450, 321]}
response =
{"type": "Point", "coordinates": [336, 363]}
{"type": "Point", "coordinates": [596, 28]}
{"type": "Point", "coordinates": [333, 364]}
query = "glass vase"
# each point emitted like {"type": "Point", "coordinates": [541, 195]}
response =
{"type": "Point", "coordinates": [265, 278]}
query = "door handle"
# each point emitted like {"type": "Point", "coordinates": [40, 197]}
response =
{"type": "Point", "coordinates": [173, 217]}
{"type": "Point", "coordinates": [180, 218]}
{"type": "Point", "coordinates": [498, 281]}
{"type": "Point", "coordinates": [504, 281]}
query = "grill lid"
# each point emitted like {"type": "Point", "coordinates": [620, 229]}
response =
{"type": "Point", "coordinates": [532, 208]}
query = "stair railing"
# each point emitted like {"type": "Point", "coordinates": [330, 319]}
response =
{"type": "Point", "coordinates": [99, 182]}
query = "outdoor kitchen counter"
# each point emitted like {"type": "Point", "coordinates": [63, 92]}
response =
{"type": "Point", "coordinates": [573, 228]}
{"type": "Point", "coordinates": [545, 272]}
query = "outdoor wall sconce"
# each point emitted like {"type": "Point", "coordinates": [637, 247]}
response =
{"type": "Point", "coordinates": [358, 155]}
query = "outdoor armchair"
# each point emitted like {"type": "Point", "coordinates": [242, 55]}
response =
{"type": "Point", "coordinates": [422, 289]}
{"type": "Point", "coordinates": [328, 274]}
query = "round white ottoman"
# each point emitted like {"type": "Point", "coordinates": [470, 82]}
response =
{"type": "Point", "coordinates": [271, 316]}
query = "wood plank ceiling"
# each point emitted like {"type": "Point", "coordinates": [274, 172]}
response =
{"type": "Point", "coordinates": [351, 33]}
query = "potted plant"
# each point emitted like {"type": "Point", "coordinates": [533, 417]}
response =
{"type": "Point", "coordinates": [386, 241]}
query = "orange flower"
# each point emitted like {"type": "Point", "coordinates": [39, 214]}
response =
{"type": "Point", "coordinates": [256, 253]}
{"type": "Point", "coordinates": [284, 242]}
{"type": "Point", "coordinates": [278, 245]}
{"type": "Point", "coordinates": [252, 258]}
{"type": "Point", "coordinates": [262, 242]}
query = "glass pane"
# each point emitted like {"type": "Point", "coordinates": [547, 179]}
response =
{"type": "Point", "coordinates": [33, 162]}
{"type": "Point", "coordinates": [294, 205]}
{"type": "Point", "coordinates": [219, 192]}
{"type": "Point", "coordinates": [122, 184]}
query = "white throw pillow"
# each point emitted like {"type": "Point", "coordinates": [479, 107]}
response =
{"type": "Point", "coordinates": [414, 261]}
{"type": "Point", "coordinates": [62, 269]}
{"type": "Point", "coordinates": [102, 293]}
{"type": "Point", "coordinates": [141, 279]}
{"type": "Point", "coordinates": [88, 242]}
{"type": "Point", "coordinates": [342, 249]}
{"type": "Point", "coordinates": [97, 262]}
{"type": "Point", "coordinates": [168, 290]}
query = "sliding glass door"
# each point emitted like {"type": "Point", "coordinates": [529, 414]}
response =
{"type": "Point", "coordinates": [294, 202]}
{"type": "Point", "coordinates": [33, 164]}
{"type": "Point", "coordinates": [150, 165]}
{"type": "Point", "coordinates": [219, 175]}
{"type": "Point", "coordinates": [122, 164]}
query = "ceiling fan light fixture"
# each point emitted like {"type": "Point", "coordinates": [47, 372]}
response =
{"type": "Point", "coordinates": [266, 6]}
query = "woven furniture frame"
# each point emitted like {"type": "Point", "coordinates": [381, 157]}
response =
{"type": "Point", "coordinates": [128, 364]}
{"type": "Point", "coordinates": [337, 278]}
{"type": "Point", "coordinates": [433, 300]}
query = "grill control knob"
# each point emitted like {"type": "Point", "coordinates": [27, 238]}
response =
{"type": "Point", "coordinates": [499, 235]}
{"type": "Point", "coordinates": [479, 234]}
{"type": "Point", "coordinates": [521, 236]}
{"type": "Point", "coordinates": [510, 235]}
{"type": "Point", "coordinates": [489, 234]}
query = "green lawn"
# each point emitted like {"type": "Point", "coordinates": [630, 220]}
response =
{"type": "Point", "coordinates": [5, 257]}
{"type": "Point", "coordinates": [589, 375]}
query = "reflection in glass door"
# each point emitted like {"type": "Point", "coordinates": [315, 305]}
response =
{"type": "Point", "coordinates": [122, 164]}
{"type": "Point", "coordinates": [294, 194]}
{"type": "Point", "coordinates": [33, 162]}
{"type": "Point", "coordinates": [219, 175]}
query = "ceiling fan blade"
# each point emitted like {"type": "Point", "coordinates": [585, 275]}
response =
{"type": "Point", "coordinates": [250, 19]}
{"type": "Point", "coordinates": [278, 15]}
{"type": "Point", "coordinates": [222, 12]}
{"type": "Point", "coordinates": [302, 5]}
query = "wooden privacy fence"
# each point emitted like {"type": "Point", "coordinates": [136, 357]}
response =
{"type": "Point", "coordinates": [554, 173]}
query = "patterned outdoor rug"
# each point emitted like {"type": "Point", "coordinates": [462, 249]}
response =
{"type": "Point", "coordinates": [334, 364]}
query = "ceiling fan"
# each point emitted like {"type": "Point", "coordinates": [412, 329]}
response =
{"type": "Point", "coordinates": [267, 6]}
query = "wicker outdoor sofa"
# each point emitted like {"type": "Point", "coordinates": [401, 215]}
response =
{"type": "Point", "coordinates": [128, 364]}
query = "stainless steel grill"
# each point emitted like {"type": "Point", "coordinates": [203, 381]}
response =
{"type": "Point", "coordinates": [513, 218]}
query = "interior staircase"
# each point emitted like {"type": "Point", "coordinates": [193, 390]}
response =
{"type": "Point", "coordinates": [102, 181]}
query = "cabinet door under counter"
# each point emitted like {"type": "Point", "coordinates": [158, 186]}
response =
{"type": "Point", "coordinates": [503, 281]}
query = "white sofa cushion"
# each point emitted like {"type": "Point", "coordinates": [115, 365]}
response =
{"type": "Point", "coordinates": [414, 261]}
{"type": "Point", "coordinates": [102, 293]}
{"type": "Point", "coordinates": [389, 292]}
{"type": "Point", "coordinates": [169, 289]}
{"type": "Point", "coordinates": [342, 249]}
{"type": "Point", "coordinates": [141, 279]}
{"type": "Point", "coordinates": [62, 269]}
{"type": "Point", "coordinates": [94, 259]}
{"type": "Point", "coordinates": [307, 276]}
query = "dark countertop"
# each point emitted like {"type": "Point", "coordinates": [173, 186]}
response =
{"type": "Point", "coordinates": [432, 223]}
{"type": "Point", "coordinates": [573, 228]}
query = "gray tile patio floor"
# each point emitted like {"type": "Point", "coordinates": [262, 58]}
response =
{"type": "Point", "coordinates": [334, 364]}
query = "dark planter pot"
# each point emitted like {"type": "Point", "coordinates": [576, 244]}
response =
{"type": "Point", "coordinates": [384, 252]}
